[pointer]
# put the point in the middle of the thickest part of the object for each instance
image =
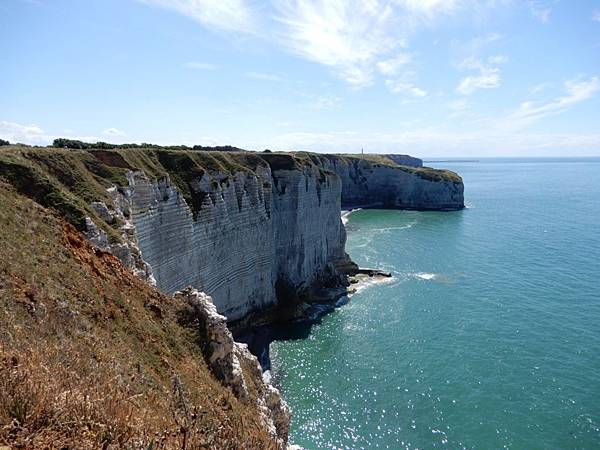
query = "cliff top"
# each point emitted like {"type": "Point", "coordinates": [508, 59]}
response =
{"type": "Point", "coordinates": [68, 180]}
{"type": "Point", "coordinates": [427, 173]}
{"type": "Point", "coordinates": [93, 357]}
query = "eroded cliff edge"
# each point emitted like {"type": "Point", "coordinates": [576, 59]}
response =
{"type": "Point", "coordinates": [253, 230]}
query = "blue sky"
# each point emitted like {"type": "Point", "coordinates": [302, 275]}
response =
{"type": "Point", "coordinates": [425, 77]}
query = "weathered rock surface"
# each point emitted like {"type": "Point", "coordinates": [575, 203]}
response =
{"type": "Point", "coordinates": [253, 232]}
{"type": "Point", "coordinates": [235, 366]}
{"type": "Point", "coordinates": [265, 235]}
{"type": "Point", "coordinates": [367, 184]}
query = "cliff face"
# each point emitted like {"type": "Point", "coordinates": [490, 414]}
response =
{"type": "Point", "coordinates": [378, 182]}
{"type": "Point", "coordinates": [253, 232]}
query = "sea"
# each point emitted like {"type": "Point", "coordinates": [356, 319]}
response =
{"type": "Point", "coordinates": [486, 337]}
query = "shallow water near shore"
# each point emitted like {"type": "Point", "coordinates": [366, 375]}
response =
{"type": "Point", "coordinates": [488, 336]}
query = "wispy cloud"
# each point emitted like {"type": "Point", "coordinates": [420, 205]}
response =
{"type": "Point", "coordinates": [487, 78]}
{"type": "Point", "coordinates": [200, 65]}
{"type": "Point", "coordinates": [429, 141]}
{"type": "Point", "coordinates": [33, 134]}
{"type": "Point", "coordinates": [540, 87]}
{"type": "Point", "coordinates": [576, 91]}
{"type": "Point", "coordinates": [263, 76]}
{"type": "Point", "coordinates": [324, 102]}
{"type": "Point", "coordinates": [542, 9]}
{"type": "Point", "coordinates": [402, 87]}
{"type": "Point", "coordinates": [15, 132]}
{"type": "Point", "coordinates": [227, 15]}
{"type": "Point", "coordinates": [596, 15]}
{"type": "Point", "coordinates": [114, 132]}
{"type": "Point", "coordinates": [356, 38]}
{"type": "Point", "coordinates": [393, 66]}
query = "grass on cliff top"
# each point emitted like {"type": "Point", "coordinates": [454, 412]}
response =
{"type": "Point", "coordinates": [69, 180]}
{"type": "Point", "coordinates": [63, 181]}
{"type": "Point", "coordinates": [92, 357]}
{"type": "Point", "coordinates": [427, 173]}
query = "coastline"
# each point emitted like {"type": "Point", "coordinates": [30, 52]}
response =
{"type": "Point", "coordinates": [298, 322]}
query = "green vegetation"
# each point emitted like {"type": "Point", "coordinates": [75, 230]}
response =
{"type": "Point", "coordinates": [92, 357]}
{"type": "Point", "coordinates": [80, 145]}
{"type": "Point", "coordinates": [3, 142]}
{"type": "Point", "coordinates": [68, 180]}
{"type": "Point", "coordinates": [64, 181]}
{"type": "Point", "coordinates": [426, 173]}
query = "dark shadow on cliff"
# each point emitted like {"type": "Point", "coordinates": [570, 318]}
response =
{"type": "Point", "coordinates": [259, 338]}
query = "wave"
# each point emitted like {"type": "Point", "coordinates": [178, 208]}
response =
{"type": "Point", "coordinates": [370, 282]}
{"type": "Point", "coordinates": [425, 276]}
{"type": "Point", "coordinates": [403, 227]}
{"type": "Point", "coordinates": [346, 215]}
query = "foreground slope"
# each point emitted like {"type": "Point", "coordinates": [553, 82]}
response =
{"type": "Point", "coordinates": [92, 356]}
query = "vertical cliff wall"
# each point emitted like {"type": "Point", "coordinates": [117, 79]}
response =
{"type": "Point", "coordinates": [254, 230]}
{"type": "Point", "coordinates": [376, 181]}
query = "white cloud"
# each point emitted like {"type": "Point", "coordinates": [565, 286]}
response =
{"type": "Point", "coordinates": [540, 87]}
{"type": "Point", "coordinates": [575, 92]}
{"type": "Point", "coordinates": [541, 9]}
{"type": "Point", "coordinates": [325, 102]}
{"type": "Point", "coordinates": [200, 65]}
{"type": "Point", "coordinates": [498, 59]}
{"type": "Point", "coordinates": [114, 132]}
{"type": "Point", "coordinates": [226, 15]}
{"type": "Point", "coordinates": [402, 87]}
{"type": "Point", "coordinates": [596, 15]}
{"type": "Point", "coordinates": [27, 134]}
{"type": "Point", "coordinates": [34, 135]}
{"type": "Point", "coordinates": [391, 67]}
{"type": "Point", "coordinates": [263, 76]}
{"type": "Point", "coordinates": [432, 142]}
{"type": "Point", "coordinates": [430, 7]}
{"type": "Point", "coordinates": [487, 78]}
{"type": "Point", "coordinates": [356, 38]}
{"type": "Point", "coordinates": [346, 36]}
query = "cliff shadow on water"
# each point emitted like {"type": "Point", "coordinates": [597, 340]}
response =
{"type": "Point", "coordinates": [259, 338]}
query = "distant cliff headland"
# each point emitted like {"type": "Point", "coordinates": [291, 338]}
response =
{"type": "Point", "coordinates": [260, 232]}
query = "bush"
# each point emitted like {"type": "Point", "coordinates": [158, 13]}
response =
{"type": "Point", "coordinates": [3, 142]}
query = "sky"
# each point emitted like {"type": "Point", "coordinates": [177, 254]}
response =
{"type": "Point", "coordinates": [429, 78]}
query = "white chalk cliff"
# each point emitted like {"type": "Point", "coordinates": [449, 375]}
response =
{"type": "Point", "coordinates": [259, 235]}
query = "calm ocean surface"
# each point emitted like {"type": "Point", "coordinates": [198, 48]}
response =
{"type": "Point", "coordinates": [487, 337]}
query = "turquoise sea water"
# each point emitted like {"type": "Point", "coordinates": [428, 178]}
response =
{"type": "Point", "coordinates": [488, 336]}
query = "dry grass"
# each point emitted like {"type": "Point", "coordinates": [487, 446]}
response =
{"type": "Point", "coordinates": [92, 357]}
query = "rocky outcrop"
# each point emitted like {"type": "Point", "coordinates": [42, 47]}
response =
{"type": "Point", "coordinates": [235, 366]}
{"type": "Point", "coordinates": [385, 184]}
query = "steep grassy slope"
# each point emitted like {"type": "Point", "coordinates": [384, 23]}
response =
{"type": "Point", "coordinates": [93, 357]}
{"type": "Point", "coordinates": [69, 180]}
